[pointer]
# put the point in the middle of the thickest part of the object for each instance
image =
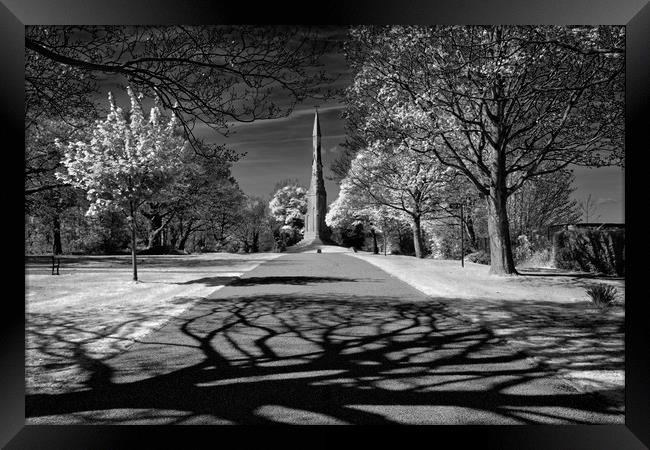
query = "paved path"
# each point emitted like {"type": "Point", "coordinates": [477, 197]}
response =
{"type": "Point", "coordinates": [318, 338]}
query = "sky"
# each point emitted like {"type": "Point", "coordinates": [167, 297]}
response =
{"type": "Point", "coordinates": [280, 149]}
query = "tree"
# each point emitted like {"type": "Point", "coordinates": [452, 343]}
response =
{"type": "Point", "coordinates": [542, 202]}
{"type": "Point", "coordinates": [352, 208]}
{"type": "Point", "coordinates": [54, 91]}
{"type": "Point", "coordinates": [389, 173]}
{"type": "Point", "coordinates": [201, 192]}
{"type": "Point", "coordinates": [588, 208]}
{"type": "Point", "coordinates": [288, 207]}
{"type": "Point", "coordinates": [224, 211]}
{"type": "Point", "coordinates": [289, 204]}
{"type": "Point", "coordinates": [50, 206]}
{"type": "Point", "coordinates": [43, 157]}
{"type": "Point", "coordinates": [46, 197]}
{"type": "Point", "coordinates": [355, 140]}
{"type": "Point", "coordinates": [500, 104]}
{"type": "Point", "coordinates": [210, 74]}
{"type": "Point", "coordinates": [125, 163]}
{"type": "Point", "coordinates": [252, 221]}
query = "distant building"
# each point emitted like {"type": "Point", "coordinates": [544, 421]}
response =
{"type": "Point", "coordinates": [552, 229]}
{"type": "Point", "coordinates": [592, 225]}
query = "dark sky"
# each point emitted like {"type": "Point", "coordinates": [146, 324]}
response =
{"type": "Point", "coordinates": [280, 149]}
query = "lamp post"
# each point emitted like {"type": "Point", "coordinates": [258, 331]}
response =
{"type": "Point", "coordinates": [462, 235]}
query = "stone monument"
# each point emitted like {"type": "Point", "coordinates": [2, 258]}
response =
{"type": "Point", "coordinates": [316, 231]}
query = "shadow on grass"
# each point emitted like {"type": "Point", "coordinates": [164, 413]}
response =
{"type": "Point", "coordinates": [145, 261]}
{"type": "Point", "coordinates": [569, 336]}
{"type": "Point", "coordinates": [210, 281]}
{"type": "Point", "coordinates": [288, 358]}
{"type": "Point", "coordinates": [544, 272]}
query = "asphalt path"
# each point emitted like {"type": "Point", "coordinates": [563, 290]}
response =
{"type": "Point", "coordinates": [313, 338]}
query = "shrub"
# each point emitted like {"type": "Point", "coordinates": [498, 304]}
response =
{"type": "Point", "coordinates": [532, 250]}
{"type": "Point", "coordinates": [523, 249]}
{"type": "Point", "coordinates": [449, 246]}
{"type": "Point", "coordinates": [434, 243]}
{"type": "Point", "coordinates": [602, 295]}
{"type": "Point", "coordinates": [539, 258]}
{"type": "Point", "coordinates": [267, 242]}
{"type": "Point", "coordinates": [353, 236]}
{"type": "Point", "coordinates": [590, 250]}
{"type": "Point", "coordinates": [479, 257]}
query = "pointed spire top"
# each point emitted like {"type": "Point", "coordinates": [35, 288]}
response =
{"type": "Point", "coordinates": [316, 124]}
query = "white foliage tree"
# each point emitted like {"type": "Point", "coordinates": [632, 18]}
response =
{"type": "Point", "coordinates": [288, 207]}
{"type": "Point", "coordinates": [391, 174]}
{"type": "Point", "coordinates": [353, 207]}
{"type": "Point", "coordinates": [289, 204]}
{"type": "Point", "coordinates": [125, 163]}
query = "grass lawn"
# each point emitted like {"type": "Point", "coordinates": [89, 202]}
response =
{"type": "Point", "coordinates": [94, 306]}
{"type": "Point", "coordinates": [545, 312]}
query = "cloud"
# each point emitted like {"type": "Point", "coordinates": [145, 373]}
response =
{"type": "Point", "coordinates": [260, 161]}
{"type": "Point", "coordinates": [297, 113]}
{"type": "Point", "coordinates": [605, 201]}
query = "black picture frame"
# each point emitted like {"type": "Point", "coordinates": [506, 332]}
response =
{"type": "Point", "coordinates": [635, 14]}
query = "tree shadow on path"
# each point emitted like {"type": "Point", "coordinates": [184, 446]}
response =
{"type": "Point", "coordinates": [254, 281]}
{"type": "Point", "coordinates": [316, 359]}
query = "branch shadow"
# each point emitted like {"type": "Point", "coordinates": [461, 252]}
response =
{"type": "Point", "coordinates": [211, 281]}
{"type": "Point", "coordinates": [292, 280]}
{"type": "Point", "coordinates": [550, 272]}
{"type": "Point", "coordinates": [33, 262]}
{"type": "Point", "coordinates": [568, 336]}
{"type": "Point", "coordinates": [254, 281]}
{"type": "Point", "coordinates": [314, 359]}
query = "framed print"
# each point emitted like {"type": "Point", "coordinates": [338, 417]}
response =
{"type": "Point", "coordinates": [354, 213]}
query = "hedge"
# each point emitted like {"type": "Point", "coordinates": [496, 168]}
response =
{"type": "Point", "coordinates": [589, 250]}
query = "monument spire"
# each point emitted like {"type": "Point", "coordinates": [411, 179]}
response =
{"type": "Point", "coordinates": [315, 228]}
{"type": "Point", "coordinates": [316, 125]}
{"type": "Point", "coordinates": [317, 163]}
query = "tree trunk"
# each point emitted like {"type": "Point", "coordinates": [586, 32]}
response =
{"type": "Point", "coordinates": [185, 236]}
{"type": "Point", "coordinates": [256, 242]}
{"type": "Point", "coordinates": [56, 236]}
{"type": "Point", "coordinates": [375, 248]}
{"type": "Point", "coordinates": [384, 233]}
{"type": "Point", "coordinates": [401, 239]}
{"type": "Point", "coordinates": [156, 227]}
{"type": "Point", "coordinates": [173, 238]}
{"type": "Point", "coordinates": [417, 238]}
{"type": "Point", "coordinates": [183, 241]}
{"type": "Point", "coordinates": [134, 261]}
{"type": "Point", "coordinates": [469, 227]}
{"type": "Point", "coordinates": [501, 260]}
